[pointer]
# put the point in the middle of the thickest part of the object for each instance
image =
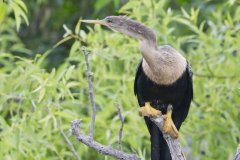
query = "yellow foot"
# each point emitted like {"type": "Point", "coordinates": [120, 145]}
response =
{"type": "Point", "coordinates": [168, 125]}
{"type": "Point", "coordinates": [149, 111]}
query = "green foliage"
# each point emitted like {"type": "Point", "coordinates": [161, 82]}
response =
{"type": "Point", "coordinates": [35, 103]}
{"type": "Point", "coordinates": [19, 9]}
{"type": "Point", "coordinates": [47, 18]}
{"type": "Point", "coordinates": [9, 40]}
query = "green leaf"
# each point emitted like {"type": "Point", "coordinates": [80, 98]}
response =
{"type": "Point", "coordinates": [77, 28]}
{"type": "Point", "coordinates": [188, 23]}
{"type": "Point", "coordinates": [75, 47]}
{"type": "Point", "coordinates": [72, 84]}
{"type": "Point", "coordinates": [17, 18]}
{"type": "Point", "coordinates": [62, 41]}
{"type": "Point", "coordinates": [64, 114]}
{"type": "Point", "coordinates": [43, 56]}
{"type": "Point", "coordinates": [22, 4]}
{"type": "Point", "coordinates": [69, 72]}
{"type": "Point", "coordinates": [2, 11]}
{"type": "Point", "coordinates": [45, 119]}
{"type": "Point", "coordinates": [185, 13]}
{"type": "Point", "coordinates": [41, 94]}
{"type": "Point", "coordinates": [67, 29]}
{"type": "Point", "coordinates": [18, 13]}
{"type": "Point", "coordinates": [83, 35]}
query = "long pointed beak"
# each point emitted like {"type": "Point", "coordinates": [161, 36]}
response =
{"type": "Point", "coordinates": [102, 22]}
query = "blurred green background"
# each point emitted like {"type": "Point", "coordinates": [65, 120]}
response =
{"type": "Point", "coordinates": [43, 83]}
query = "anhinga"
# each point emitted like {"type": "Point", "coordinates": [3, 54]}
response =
{"type": "Point", "coordinates": [163, 77]}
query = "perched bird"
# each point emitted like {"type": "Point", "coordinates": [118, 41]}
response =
{"type": "Point", "coordinates": [163, 77]}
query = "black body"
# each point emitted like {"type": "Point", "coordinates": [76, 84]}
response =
{"type": "Point", "coordinates": [179, 94]}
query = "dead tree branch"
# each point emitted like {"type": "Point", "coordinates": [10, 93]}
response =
{"type": "Point", "coordinates": [173, 143]}
{"type": "Point", "coordinates": [237, 155]}
{"type": "Point", "coordinates": [91, 94]}
{"type": "Point", "coordinates": [121, 128]}
{"type": "Point", "coordinates": [107, 150]}
{"type": "Point", "coordinates": [88, 139]}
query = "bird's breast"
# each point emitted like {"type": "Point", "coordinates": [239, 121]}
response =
{"type": "Point", "coordinates": [158, 93]}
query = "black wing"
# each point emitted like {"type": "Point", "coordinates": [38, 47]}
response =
{"type": "Point", "coordinates": [189, 93]}
{"type": "Point", "coordinates": [138, 72]}
{"type": "Point", "coordinates": [157, 140]}
{"type": "Point", "coordinates": [190, 74]}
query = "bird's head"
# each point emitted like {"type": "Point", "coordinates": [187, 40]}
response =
{"type": "Point", "coordinates": [126, 26]}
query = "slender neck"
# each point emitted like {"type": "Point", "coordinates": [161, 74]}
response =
{"type": "Point", "coordinates": [139, 31]}
{"type": "Point", "coordinates": [163, 65]}
{"type": "Point", "coordinates": [148, 36]}
{"type": "Point", "coordinates": [148, 44]}
{"type": "Point", "coordinates": [149, 52]}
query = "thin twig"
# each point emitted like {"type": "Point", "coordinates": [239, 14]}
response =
{"type": "Point", "coordinates": [106, 150]}
{"type": "Point", "coordinates": [91, 94]}
{"type": "Point", "coordinates": [71, 147]}
{"type": "Point", "coordinates": [237, 155]}
{"type": "Point", "coordinates": [121, 128]}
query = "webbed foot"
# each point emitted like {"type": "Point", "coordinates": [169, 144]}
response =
{"type": "Point", "coordinates": [168, 125]}
{"type": "Point", "coordinates": [149, 111]}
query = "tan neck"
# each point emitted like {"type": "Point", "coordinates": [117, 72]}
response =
{"type": "Point", "coordinates": [149, 52]}
{"type": "Point", "coordinates": [163, 65]}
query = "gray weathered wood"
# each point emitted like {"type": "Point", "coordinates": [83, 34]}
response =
{"type": "Point", "coordinates": [237, 155]}
{"type": "Point", "coordinates": [106, 150]}
{"type": "Point", "coordinates": [91, 93]}
{"type": "Point", "coordinates": [173, 143]}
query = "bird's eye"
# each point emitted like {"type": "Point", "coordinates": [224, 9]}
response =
{"type": "Point", "coordinates": [109, 20]}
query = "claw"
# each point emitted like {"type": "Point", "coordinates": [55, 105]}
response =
{"type": "Point", "coordinates": [168, 126]}
{"type": "Point", "coordinates": [149, 111]}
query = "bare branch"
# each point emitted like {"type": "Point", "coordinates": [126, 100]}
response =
{"type": "Point", "coordinates": [88, 139]}
{"type": "Point", "coordinates": [70, 145]}
{"type": "Point", "coordinates": [107, 150]}
{"type": "Point", "coordinates": [173, 143]}
{"type": "Point", "coordinates": [121, 127]}
{"type": "Point", "coordinates": [91, 94]}
{"type": "Point", "coordinates": [237, 155]}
